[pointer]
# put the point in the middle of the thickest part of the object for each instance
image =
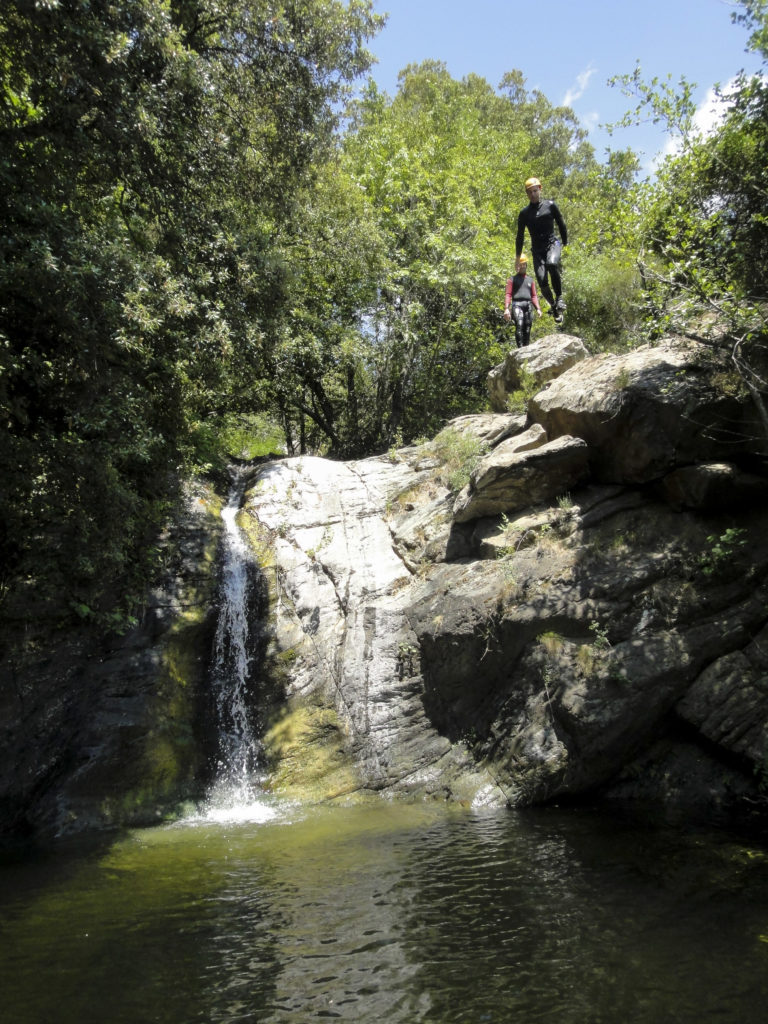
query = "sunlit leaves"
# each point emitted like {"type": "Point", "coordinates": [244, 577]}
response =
{"type": "Point", "coordinates": [150, 154]}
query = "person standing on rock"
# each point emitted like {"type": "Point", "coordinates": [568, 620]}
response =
{"type": "Point", "coordinates": [540, 217]}
{"type": "Point", "coordinates": [520, 300]}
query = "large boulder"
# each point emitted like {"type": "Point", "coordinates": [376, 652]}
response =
{"type": "Point", "coordinates": [489, 427]}
{"type": "Point", "coordinates": [646, 412]}
{"type": "Point", "coordinates": [540, 362]}
{"type": "Point", "coordinates": [728, 703]}
{"type": "Point", "coordinates": [546, 654]}
{"type": "Point", "coordinates": [523, 471]}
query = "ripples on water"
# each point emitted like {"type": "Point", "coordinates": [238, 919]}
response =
{"type": "Point", "coordinates": [396, 914]}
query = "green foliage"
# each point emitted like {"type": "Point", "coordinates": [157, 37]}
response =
{"type": "Point", "coordinates": [722, 550]}
{"type": "Point", "coordinates": [604, 307]}
{"type": "Point", "coordinates": [440, 167]}
{"type": "Point", "coordinates": [149, 154]}
{"type": "Point", "coordinates": [397, 259]}
{"type": "Point", "coordinates": [529, 386]}
{"type": "Point", "coordinates": [460, 454]}
{"type": "Point", "coordinates": [704, 223]}
{"type": "Point", "coordinates": [600, 633]}
{"type": "Point", "coordinates": [216, 442]}
{"type": "Point", "coordinates": [551, 642]}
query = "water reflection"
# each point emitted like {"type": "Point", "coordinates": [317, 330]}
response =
{"type": "Point", "coordinates": [396, 914]}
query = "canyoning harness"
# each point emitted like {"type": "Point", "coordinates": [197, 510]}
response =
{"type": "Point", "coordinates": [521, 290]}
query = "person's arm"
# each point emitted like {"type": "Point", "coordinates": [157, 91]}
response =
{"type": "Point", "coordinates": [508, 299]}
{"type": "Point", "coordinates": [520, 235]}
{"type": "Point", "coordinates": [535, 297]}
{"type": "Point", "coordinates": [560, 223]}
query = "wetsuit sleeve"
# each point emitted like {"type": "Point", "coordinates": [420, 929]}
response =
{"type": "Point", "coordinates": [560, 223]}
{"type": "Point", "coordinates": [520, 235]}
{"type": "Point", "coordinates": [508, 294]}
{"type": "Point", "coordinates": [534, 295]}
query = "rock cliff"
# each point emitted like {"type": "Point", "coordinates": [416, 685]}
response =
{"type": "Point", "coordinates": [102, 730]}
{"type": "Point", "coordinates": [589, 611]}
{"type": "Point", "coordinates": [567, 599]}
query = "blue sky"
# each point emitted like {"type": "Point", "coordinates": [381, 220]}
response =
{"type": "Point", "coordinates": [569, 49]}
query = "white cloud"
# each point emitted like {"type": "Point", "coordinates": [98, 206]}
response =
{"type": "Point", "coordinates": [707, 119]}
{"type": "Point", "coordinates": [577, 91]}
{"type": "Point", "coordinates": [591, 120]}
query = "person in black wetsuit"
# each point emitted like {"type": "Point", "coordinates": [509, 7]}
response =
{"type": "Point", "coordinates": [540, 217]}
{"type": "Point", "coordinates": [519, 302]}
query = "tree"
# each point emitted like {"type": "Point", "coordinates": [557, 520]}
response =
{"type": "Point", "coordinates": [442, 166]}
{"type": "Point", "coordinates": [705, 225]}
{"type": "Point", "coordinates": [149, 154]}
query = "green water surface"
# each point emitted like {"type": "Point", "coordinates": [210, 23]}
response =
{"type": "Point", "coordinates": [391, 913]}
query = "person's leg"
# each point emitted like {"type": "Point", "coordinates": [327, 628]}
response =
{"type": "Point", "coordinates": [517, 316]}
{"type": "Point", "coordinates": [553, 270]}
{"type": "Point", "coordinates": [527, 319]}
{"type": "Point", "coordinates": [540, 269]}
{"type": "Point", "coordinates": [557, 284]}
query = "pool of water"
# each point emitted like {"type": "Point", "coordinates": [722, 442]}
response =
{"type": "Point", "coordinates": [390, 913]}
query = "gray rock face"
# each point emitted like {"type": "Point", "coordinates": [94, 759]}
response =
{"type": "Point", "coordinates": [588, 612]}
{"type": "Point", "coordinates": [513, 478]}
{"type": "Point", "coordinates": [539, 634]}
{"type": "Point", "coordinates": [728, 704]}
{"type": "Point", "coordinates": [541, 361]}
{"type": "Point", "coordinates": [647, 412]}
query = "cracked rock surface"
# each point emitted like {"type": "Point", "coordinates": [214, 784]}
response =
{"type": "Point", "coordinates": [584, 635]}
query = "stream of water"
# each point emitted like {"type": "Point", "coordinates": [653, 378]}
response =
{"type": "Point", "coordinates": [236, 793]}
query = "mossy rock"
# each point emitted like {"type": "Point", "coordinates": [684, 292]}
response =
{"type": "Point", "coordinates": [306, 756]}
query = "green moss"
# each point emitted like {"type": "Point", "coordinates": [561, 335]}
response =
{"type": "Point", "coordinates": [259, 538]}
{"type": "Point", "coordinates": [307, 758]}
{"type": "Point", "coordinates": [167, 760]}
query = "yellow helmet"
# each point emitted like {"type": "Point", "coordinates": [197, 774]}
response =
{"type": "Point", "coordinates": [531, 182]}
{"type": "Point", "coordinates": [522, 260]}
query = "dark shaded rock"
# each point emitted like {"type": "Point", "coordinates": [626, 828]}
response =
{"type": "Point", "coordinates": [712, 487]}
{"type": "Point", "coordinates": [675, 773]}
{"type": "Point", "coordinates": [105, 731]}
{"type": "Point", "coordinates": [728, 705]}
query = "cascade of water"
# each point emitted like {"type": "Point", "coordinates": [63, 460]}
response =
{"type": "Point", "coordinates": [238, 783]}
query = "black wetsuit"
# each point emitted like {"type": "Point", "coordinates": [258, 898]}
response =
{"type": "Point", "coordinates": [540, 219]}
{"type": "Point", "coordinates": [520, 300]}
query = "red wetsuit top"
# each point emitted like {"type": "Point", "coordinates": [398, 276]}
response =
{"type": "Point", "coordinates": [521, 288]}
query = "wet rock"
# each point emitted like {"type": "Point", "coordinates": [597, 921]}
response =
{"type": "Point", "coordinates": [101, 731]}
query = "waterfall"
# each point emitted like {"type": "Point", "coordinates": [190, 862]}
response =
{"type": "Point", "coordinates": [236, 791]}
